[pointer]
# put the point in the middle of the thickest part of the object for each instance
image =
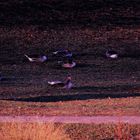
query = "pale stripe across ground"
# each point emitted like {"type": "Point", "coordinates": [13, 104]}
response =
{"type": "Point", "coordinates": [73, 119]}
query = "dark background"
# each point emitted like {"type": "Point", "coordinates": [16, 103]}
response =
{"type": "Point", "coordinates": [69, 12]}
{"type": "Point", "coordinates": [88, 28]}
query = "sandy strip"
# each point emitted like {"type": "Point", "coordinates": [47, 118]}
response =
{"type": "Point", "coordinates": [73, 119]}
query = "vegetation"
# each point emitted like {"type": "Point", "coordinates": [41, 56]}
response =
{"type": "Point", "coordinates": [118, 131]}
{"type": "Point", "coordinates": [32, 131]}
{"type": "Point", "coordinates": [111, 106]}
{"type": "Point", "coordinates": [45, 131]}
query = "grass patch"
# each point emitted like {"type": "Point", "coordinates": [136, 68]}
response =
{"type": "Point", "coordinates": [32, 131]}
{"type": "Point", "coordinates": [118, 131]}
{"type": "Point", "coordinates": [49, 131]}
{"type": "Point", "coordinates": [109, 106]}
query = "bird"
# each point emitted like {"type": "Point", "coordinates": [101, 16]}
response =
{"type": "Point", "coordinates": [63, 53]}
{"type": "Point", "coordinates": [111, 54]}
{"type": "Point", "coordinates": [40, 59]}
{"type": "Point", "coordinates": [66, 85]}
{"type": "Point", "coordinates": [69, 64]}
{"type": "Point", "coordinates": [66, 59]}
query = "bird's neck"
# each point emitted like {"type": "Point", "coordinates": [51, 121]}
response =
{"type": "Point", "coordinates": [68, 81]}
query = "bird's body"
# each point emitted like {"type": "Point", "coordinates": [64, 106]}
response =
{"type": "Point", "coordinates": [111, 54]}
{"type": "Point", "coordinates": [55, 82]}
{"type": "Point", "coordinates": [69, 65]}
{"type": "Point", "coordinates": [67, 85]}
{"type": "Point", "coordinates": [40, 59]}
{"type": "Point", "coordinates": [63, 53]}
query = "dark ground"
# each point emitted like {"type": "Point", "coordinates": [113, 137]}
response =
{"type": "Point", "coordinates": [88, 28]}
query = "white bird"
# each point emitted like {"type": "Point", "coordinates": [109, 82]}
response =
{"type": "Point", "coordinates": [68, 84]}
{"type": "Point", "coordinates": [64, 53]}
{"type": "Point", "coordinates": [111, 54]}
{"type": "Point", "coordinates": [40, 59]}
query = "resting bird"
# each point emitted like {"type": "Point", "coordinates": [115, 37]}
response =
{"type": "Point", "coordinates": [111, 54]}
{"type": "Point", "coordinates": [67, 85]}
{"type": "Point", "coordinates": [69, 64]}
{"type": "Point", "coordinates": [63, 53]}
{"type": "Point", "coordinates": [40, 59]}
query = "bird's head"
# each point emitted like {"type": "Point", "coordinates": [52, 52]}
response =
{"type": "Point", "coordinates": [44, 57]}
{"type": "Point", "coordinates": [69, 78]}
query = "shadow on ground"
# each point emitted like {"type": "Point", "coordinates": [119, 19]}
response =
{"type": "Point", "coordinates": [74, 97]}
{"type": "Point", "coordinates": [89, 93]}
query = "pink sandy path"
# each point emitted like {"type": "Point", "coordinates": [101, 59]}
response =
{"type": "Point", "coordinates": [73, 119]}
